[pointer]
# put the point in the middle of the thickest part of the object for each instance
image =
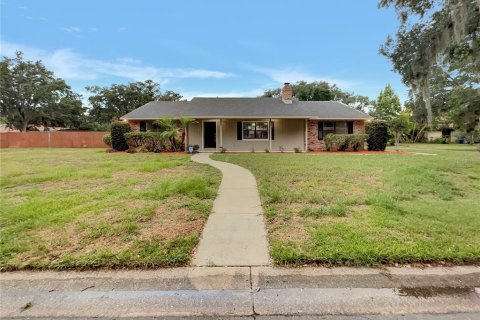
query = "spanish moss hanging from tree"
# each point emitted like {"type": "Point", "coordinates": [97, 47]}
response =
{"type": "Point", "coordinates": [432, 34]}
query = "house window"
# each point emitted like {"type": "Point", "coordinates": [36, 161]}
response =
{"type": "Point", "coordinates": [337, 127]}
{"type": "Point", "coordinates": [350, 127]}
{"type": "Point", "coordinates": [255, 130]}
{"type": "Point", "coordinates": [143, 126]}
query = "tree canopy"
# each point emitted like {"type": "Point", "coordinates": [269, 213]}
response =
{"type": "Point", "coordinates": [110, 103]}
{"type": "Point", "coordinates": [32, 95]}
{"type": "Point", "coordinates": [322, 91]}
{"type": "Point", "coordinates": [387, 106]}
{"type": "Point", "coordinates": [436, 51]}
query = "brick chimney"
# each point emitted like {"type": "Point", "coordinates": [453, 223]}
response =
{"type": "Point", "coordinates": [287, 93]}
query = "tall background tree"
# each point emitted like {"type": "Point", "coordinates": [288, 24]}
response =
{"type": "Point", "coordinates": [387, 106]}
{"type": "Point", "coordinates": [436, 51]}
{"type": "Point", "coordinates": [110, 103]}
{"type": "Point", "coordinates": [323, 91]}
{"type": "Point", "coordinates": [31, 95]}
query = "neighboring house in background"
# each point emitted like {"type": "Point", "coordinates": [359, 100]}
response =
{"type": "Point", "coordinates": [246, 124]}
{"type": "Point", "coordinates": [433, 135]}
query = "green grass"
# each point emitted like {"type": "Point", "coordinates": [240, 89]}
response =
{"type": "Point", "coordinates": [370, 209]}
{"type": "Point", "coordinates": [85, 208]}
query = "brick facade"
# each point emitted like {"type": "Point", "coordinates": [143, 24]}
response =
{"type": "Point", "coordinates": [313, 144]}
{"type": "Point", "coordinates": [358, 127]}
{"type": "Point", "coordinates": [135, 125]}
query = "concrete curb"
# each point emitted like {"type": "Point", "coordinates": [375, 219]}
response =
{"type": "Point", "coordinates": [240, 291]}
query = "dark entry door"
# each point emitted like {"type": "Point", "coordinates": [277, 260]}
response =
{"type": "Point", "coordinates": [210, 134]}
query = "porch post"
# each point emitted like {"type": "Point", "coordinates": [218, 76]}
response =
{"type": "Point", "coordinates": [221, 132]}
{"type": "Point", "coordinates": [270, 135]}
{"type": "Point", "coordinates": [201, 122]}
{"type": "Point", "coordinates": [306, 135]}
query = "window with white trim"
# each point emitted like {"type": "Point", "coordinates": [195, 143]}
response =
{"type": "Point", "coordinates": [335, 127]}
{"type": "Point", "coordinates": [255, 130]}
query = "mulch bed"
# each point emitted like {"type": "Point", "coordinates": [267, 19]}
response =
{"type": "Point", "coordinates": [325, 152]}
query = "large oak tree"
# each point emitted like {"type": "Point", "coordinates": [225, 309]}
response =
{"type": "Point", "coordinates": [438, 41]}
{"type": "Point", "coordinates": [32, 95]}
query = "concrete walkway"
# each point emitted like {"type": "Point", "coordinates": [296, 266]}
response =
{"type": "Point", "coordinates": [234, 234]}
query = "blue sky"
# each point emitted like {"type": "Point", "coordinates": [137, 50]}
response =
{"type": "Point", "coordinates": [205, 48]}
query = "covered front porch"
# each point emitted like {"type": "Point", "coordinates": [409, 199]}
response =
{"type": "Point", "coordinates": [248, 135]}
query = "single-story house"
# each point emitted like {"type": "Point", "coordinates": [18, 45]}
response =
{"type": "Point", "coordinates": [246, 124]}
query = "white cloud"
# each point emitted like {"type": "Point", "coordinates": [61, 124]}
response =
{"type": "Point", "coordinates": [68, 64]}
{"type": "Point", "coordinates": [71, 29]}
{"type": "Point", "coordinates": [249, 93]}
{"type": "Point", "coordinates": [294, 74]}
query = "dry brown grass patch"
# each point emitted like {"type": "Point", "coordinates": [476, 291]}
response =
{"type": "Point", "coordinates": [168, 224]}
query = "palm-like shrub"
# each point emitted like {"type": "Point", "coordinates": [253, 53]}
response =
{"type": "Point", "coordinates": [184, 123]}
{"type": "Point", "coordinates": [168, 131]}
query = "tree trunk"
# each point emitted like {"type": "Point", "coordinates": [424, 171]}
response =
{"type": "Point", "coordinates": [24, 127]}
{"type": "Point", "coordinates": [397, 138]}
{"type": "Point", "coordinates": [183, 140]}
{"type": "Point", "coordinates": [420, 132]}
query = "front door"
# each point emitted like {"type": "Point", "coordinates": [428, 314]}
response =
{"type": "Point", "coordinates": [209, 134]}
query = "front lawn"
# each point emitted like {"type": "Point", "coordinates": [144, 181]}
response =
{"type": "Point", "coordinates": [367, 209]}
{"type": "Point", "coordinates": [85, 208]}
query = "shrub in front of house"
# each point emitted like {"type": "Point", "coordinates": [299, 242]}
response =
{"type": "Point", "coordinates": [117, 133]}
{"type": "Point", "coordinates": [134, 139]}
{"type": "Point", "coordinates": [345, 142]}
{"type": "Point", "coordinates": [107, 139]}
{"type": "Point", "coordinates": [377, 135]}
{"type": "Point", "coordinates": [154, 142]}
{"type": "Point", "coordinates": [357, 141]}
{"type": "Point", "coordinates": [145, 141]}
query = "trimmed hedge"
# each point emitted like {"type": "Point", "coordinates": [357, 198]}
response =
{"type": "Point", "coordinates": [345, 142]}
{"type": "Point", "coordinates": [377, 135]}
{"type": "Point", "coordinates": [145, 141]}
{"type": "Point", "coordinates": [134, 139]}
{"type": "Point", "coordinates": [117, 132]}
{"type": "Point", "coordinates": [107, 139]}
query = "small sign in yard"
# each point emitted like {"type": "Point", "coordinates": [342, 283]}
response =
{"type": "Point", "coordinates": [190, 149]}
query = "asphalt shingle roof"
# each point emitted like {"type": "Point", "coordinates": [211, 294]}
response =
{"type": "Point", "coordinates": [245, 108]}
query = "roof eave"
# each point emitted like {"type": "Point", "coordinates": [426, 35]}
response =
{"type": "Point", "coordinates": [254, 117]}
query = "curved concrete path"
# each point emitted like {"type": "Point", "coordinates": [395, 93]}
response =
{"type": "Point", "coordinates": [234, 234]}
